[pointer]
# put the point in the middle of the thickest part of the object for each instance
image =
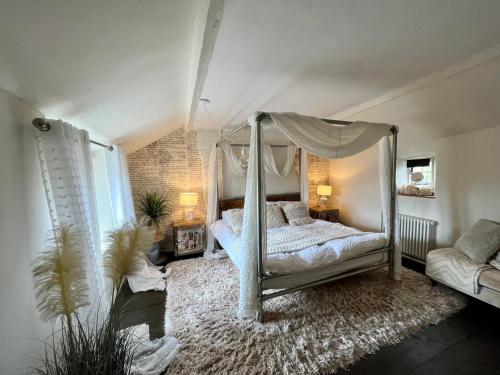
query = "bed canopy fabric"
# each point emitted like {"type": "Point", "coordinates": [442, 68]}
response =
{"type": "Point", "coordinates": [269, 163]}
{"type": "Point", "coordinates": [237, 169]}
{"type": "Point", "coordinates": [311, 135]}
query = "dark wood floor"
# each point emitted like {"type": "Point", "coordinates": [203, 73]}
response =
{"type": "Point", "coordinates": [467, 343]}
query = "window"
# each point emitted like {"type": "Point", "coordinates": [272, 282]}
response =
{"type": "Point", "coordinates": [420, 179]}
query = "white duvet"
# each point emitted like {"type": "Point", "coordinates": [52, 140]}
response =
{"type": "Point", "coordinates": [295, 249]}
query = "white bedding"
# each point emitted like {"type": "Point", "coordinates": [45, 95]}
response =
{"type": "Point", "coordinates": [325, 243]}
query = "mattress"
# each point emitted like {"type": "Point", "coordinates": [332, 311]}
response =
{"type": "Point", "coordinates": [310, 257]}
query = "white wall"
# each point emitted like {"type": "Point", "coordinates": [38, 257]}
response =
{"type": "Point", "coordinates": [24, 223]}
{"type": "Point", "coordinates": [455, 119]}
{"type": "Point", "coordinates": [356, 189]}
{"type": "Point", "coordinates": [467, 186]}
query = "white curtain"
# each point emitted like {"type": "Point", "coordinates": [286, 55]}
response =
{"type": "Point", "coordinates": [386, 180]}
{"type": "Point", "coordinates": [119, 187]}
{"type": "Point", "coordinates": [304, 178]}
{"type": "Point", "coordinates": [248, 253]}
{"type": "Point", "coordinates": [66, 164]}
{"type": "Point", "coordinates": [212, 196]}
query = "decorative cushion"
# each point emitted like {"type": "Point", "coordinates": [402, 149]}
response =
{"type": "Point", "coordinates": [233, 219]}
{"type": "Point", "coordinates": [297, 213]}
{"type": "Point", "coordinates": [274, 216]}
{"type": "Point", "coordinates": [481, 241]}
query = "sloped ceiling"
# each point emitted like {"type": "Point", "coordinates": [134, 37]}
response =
{"type": "Point", "coordinates": [324, 57]}
{"type": "Point", "coordinates": [131, 71]}
{"type": "Point", "coordinates": [116, 67]}
{"type": "Point", "coordinates": [456, 104]}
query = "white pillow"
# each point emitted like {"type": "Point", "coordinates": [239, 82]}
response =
{"type": "Point", "coordinates": [297, 213]}
{"type": "Point", "coordinates": [233, 219]}
{"type": "Point", "coordinates": [480, 242]}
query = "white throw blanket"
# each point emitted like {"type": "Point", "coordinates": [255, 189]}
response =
{"type": "Point", "coordinates": [455, 268]}
{"type": "Point", "coordinates": [148, 277]}
{"type": "Point", "coordinates": [293, 238]}
{"type": "Point", "coordinates": [309, 257]}
{"type": "Point", "coordinates": [151, 357]}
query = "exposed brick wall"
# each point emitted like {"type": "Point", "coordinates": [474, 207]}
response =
{"type": "Point", "coordinates": [318, 173]}
{"type": "Point", "coordinates": [169, 166]}
{"type": "Point", "coordinates": [178, 163]}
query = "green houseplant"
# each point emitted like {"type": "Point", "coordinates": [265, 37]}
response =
{"type": "Point", "coordinates": [154, 208]}
{"type": "Point", "coordinates": [86, 346]}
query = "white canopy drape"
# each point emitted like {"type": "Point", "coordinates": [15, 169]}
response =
{"type": "Point", "coordinates": [250, 235]}
{"type": "Point", "coordinates": [328, 140]}
{"type": "Point", "coordinates": [270, 164]}
{"type": "Point", "coordinates": [211, 196]}
{"type": "Point", "coordinates": [270, 167]}
{"type": "Point", "coordinates": [304, 177]}
{"type": "Point", "coordinates": [232, 161]}
{"type": "Point", "coordinates": [235, 168]}
{"type": "Point", "coordinates": [320, 138]}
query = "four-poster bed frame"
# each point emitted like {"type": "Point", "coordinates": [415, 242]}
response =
{"type": "Point", "coordinates": [284, 283]}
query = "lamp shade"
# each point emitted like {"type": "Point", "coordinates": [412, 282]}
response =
{"type": "Point", "coordinates": [188, 199]}
{"type": "Point", "coordinates": [325, 190]}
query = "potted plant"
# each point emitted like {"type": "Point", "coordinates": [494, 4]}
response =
{"type": "Point", "coordinates": [154, 208]}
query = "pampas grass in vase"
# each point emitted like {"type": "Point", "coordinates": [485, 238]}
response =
{"type": "Point", "coordinates": [59, 276]}
{"type": "Point", "coordinates": [127, 247]}
{"type": "Point", "coordinates": [86, 346]}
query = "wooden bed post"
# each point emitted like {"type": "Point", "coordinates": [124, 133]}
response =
{"type": "Point", "coordinates": [260, 270]}
{"type": "Point", "coordinates": [392, 241]}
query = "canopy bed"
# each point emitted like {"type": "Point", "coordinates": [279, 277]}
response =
{"type": "Point", "coordinates": [278, 260]}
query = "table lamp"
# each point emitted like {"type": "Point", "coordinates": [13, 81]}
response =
{"type": "Point", "coordinates": [189, 201]}
{"type": "Point", "coordinates": [324, 192]}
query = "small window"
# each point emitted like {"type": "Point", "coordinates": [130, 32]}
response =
{"type": "Point", "coordinates": [420, 178]}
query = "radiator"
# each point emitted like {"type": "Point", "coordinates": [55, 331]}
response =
{"type": "Point", "coordinates": [417, 236]}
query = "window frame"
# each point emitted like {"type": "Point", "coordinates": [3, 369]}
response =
{"type": "Point", "coordinates": [432, 165]}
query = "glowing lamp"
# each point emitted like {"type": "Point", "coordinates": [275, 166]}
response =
{"type": "Point", "coordinates": [188, 201]}
{"type": "Point", "coordinates": [324, 192]}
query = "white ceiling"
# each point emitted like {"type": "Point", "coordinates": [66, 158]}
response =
{"type": "Point", "coordinates": [456, 104]}
{"type": "Point", "coordinates": [323, 57]}
{"type": "Point", "coordinates": [117, 67]}
{"type": "Point", "coordinates": [132, 71]}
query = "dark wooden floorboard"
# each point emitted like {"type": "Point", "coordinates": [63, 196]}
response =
{"type": "Point", "coordinates": [144, 307]}
{"type": "Point", "coordinates": [467, 343]}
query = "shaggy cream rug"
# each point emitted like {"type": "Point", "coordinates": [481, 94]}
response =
{"type": "Point", "coordinates": [314, 331]}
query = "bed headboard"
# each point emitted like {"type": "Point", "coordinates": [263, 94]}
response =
{"type": "Point", "coordinates": [226, 204]}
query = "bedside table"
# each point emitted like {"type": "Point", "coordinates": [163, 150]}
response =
{"type": "Point", "coordinates": [189, 237]}
{"type": "Point", "coordinates": [325, 213]}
